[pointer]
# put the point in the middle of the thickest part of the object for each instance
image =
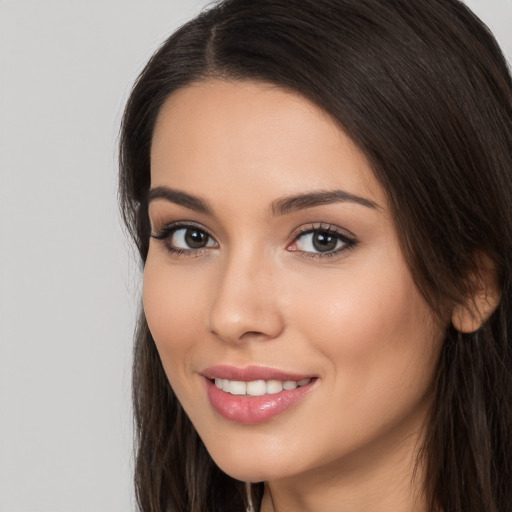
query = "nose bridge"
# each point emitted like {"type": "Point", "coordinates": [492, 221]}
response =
{"type": "Point", "coordinates": [244, 303]}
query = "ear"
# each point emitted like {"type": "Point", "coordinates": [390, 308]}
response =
{"type": "Point", "coordinates": [485, 295]}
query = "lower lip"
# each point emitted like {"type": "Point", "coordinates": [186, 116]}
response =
{"type": "Point", "coordinates": [250, 410]}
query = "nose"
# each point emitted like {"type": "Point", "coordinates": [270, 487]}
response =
{"type": "Point", "coordinates": [245, 304]}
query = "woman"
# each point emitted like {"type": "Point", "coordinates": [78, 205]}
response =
{"type": "Point", "coordinates": [320, 195]}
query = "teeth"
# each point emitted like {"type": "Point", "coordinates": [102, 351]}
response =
{"type": "Point", "coordinates": [291, 384]}
{"type": "Point", "coordinates": [274, 386]}
{"type": "Point", "coordinates": [237, 387]}
{"type": "Point", "coordinates": [258, 387]}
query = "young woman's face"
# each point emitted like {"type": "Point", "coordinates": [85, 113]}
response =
{"type": "Point", "coordinates": [285, 316]}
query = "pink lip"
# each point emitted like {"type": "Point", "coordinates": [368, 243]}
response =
{"type": "Point", "coordinates": [250, 373]}
{"type": "Point", "coordinates": [250, 410]}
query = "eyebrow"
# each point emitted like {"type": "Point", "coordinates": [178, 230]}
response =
{"type": "Point", "coordinates": [311, 199]}
{"type": "Point", "coordinates": [281, 206]}
{"type": "Point", "coordinates": [180, 198]}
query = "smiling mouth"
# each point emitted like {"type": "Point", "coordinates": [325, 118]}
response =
{"type": "Point", "coordinates": [258, 387]}
{"type": "Point", "coordinates": [255, 401]}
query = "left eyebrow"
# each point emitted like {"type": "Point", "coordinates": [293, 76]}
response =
{"type": "Point", "coordinates": [291, 204]}
{"type": "Point", "coordinates": [181, 198]}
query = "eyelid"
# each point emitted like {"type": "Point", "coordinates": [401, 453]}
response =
{"type": "Point", "coordinates": [322, 226]}
{"type": "Point", "coordinates": [167, 231]}
{"type": "Point", "coordinates": [349, 239]}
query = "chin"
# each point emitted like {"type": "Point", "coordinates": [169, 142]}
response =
{"type": "Point", "coordinates": [246, 472]}
{"type": "Point", "coordinates": [251, 465]}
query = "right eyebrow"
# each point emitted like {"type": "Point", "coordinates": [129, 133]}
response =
{"type": "Point", "coordinates": [290, 204]}
{"type": "Point", "coordinates": [180, 198]}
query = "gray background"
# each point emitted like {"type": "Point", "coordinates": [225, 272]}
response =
{"type": "Point", "coordinates": [69, 281]}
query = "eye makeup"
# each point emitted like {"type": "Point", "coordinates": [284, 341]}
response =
{"type": "Point", "coordinates": [321, 240]}
{"type": "Point", "coordinates": [185, 238]}
{"type": "Point", "coordinates": [317, 240]}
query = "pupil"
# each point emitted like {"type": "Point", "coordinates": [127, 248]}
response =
{"type": "Point", "coordinates": [324, 242]}
{"type": "Point", "coordinates": [196, 239]}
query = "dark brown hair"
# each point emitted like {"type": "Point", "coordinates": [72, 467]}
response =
{"type": "Point", "coordinates": [422, 87]}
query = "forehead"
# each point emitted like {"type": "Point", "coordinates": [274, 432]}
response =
{"type": "Point", "coordinates": [253, 135]}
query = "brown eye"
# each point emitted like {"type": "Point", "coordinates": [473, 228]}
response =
{"type": "Point", "coordinates": [320, 241]}
{"type": "Point", "coordinates": [185, 238]}
{"type": "Point", "coordinates": [189, 238]}
{"type": "Point", "coordinates": [324, 241]}
{"type": "Point", "coordinates": [195, 238]}
{"type": "Point", "coordinates": [316, 242]}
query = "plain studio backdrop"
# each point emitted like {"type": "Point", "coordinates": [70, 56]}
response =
{"type": "Point", "coordinates": [69, 280]}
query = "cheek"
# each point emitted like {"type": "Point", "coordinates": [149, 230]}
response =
{"type": "Point", "coordinates": [378, 338]}
{"type": "Point", "coordinates": [172, 305]}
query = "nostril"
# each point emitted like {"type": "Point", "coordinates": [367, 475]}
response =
{"type": "Point", "coordinates": [258, 335]}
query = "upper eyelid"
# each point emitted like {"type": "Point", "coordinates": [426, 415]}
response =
{"type": "Point", "coordinates": [164, 233]}
{"type": "Point", "coordinates": [320, 226]}
{"type": "Point", "coordinates": [347, 238]}
{"type": "Point", "coordinates": [166, 228]}
{"type": "Point", "coordinates": [175, 226]}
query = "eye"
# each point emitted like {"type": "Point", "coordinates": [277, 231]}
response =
{"type": "Point", "coordinates": [179, 238]}
{"type": "Point", "coordinates": [321, 241]}
{"type": "Point", "coordinates": [190, 238]}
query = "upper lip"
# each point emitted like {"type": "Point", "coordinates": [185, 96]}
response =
{"type": "Point", "coordinates": [251, 373]}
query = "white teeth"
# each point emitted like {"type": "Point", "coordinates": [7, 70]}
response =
{"type": "Point", "coordinates": [237, 387]}
{"type": "Point", "coordinates": [290, 384]}
{"type": "Point", "coordinates": [274, 386]}
{"type": "Point", "coordinates": [258, 387]}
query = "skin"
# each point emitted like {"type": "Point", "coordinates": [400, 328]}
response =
{"type": "Point", "coordinates": [259, 295]}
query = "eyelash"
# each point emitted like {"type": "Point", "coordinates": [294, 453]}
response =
{"type": "Point", "coordinates": [348, 240]}
{"type": "Point", "coordinates": [166, 232]}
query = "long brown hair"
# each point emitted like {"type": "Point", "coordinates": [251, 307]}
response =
{"type": "Point", "coordinates": [422, 87]}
